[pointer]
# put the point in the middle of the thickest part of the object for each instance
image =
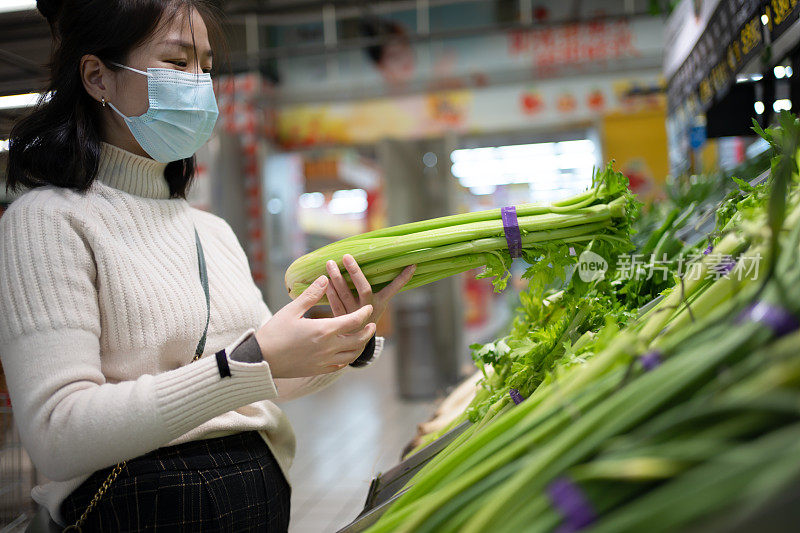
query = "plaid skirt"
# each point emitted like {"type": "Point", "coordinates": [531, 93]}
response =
{"type": "Point", "coordinates": [230, 483]}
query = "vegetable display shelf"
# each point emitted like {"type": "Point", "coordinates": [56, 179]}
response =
{"type": "Point", "coordinates": [387, 487]}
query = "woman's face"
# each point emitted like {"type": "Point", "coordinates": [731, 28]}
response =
{"type": "Point", "coordinates": [172, 46]}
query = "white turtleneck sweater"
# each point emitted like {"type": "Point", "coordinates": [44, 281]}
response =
{"type": "Point", "coordinates": [101, 309]}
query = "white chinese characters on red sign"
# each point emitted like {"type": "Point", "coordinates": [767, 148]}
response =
{"type": "Point", "coordinates": [574, 44]}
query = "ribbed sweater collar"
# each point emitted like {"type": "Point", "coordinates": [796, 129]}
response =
{"type": "Point", "coordinates": [134, 174]}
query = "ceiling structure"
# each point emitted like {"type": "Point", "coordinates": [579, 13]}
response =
{"type": "Point", "coordinates": [262, 32]}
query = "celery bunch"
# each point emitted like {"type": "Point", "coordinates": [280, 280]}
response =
{"type": "Point", "coordinates": [450, 245]}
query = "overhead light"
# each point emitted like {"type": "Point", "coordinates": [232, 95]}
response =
{"type": "Point", "coordinates": [8, 6]}
{"type": "Point", "coordinates": [348, 202]}
{"type": "Point", "coordinates": [4, 145]}
{"type": "Point", "coordinates": [18, 100]}
{"type": "Point", "coordinates": [764, 20]}
{"type": "Point", "coordinates": [783, 103]}
{"type": "Point", "coordinates": [779, 71]}
{"type": "Point", "coordinates": [312, 200]}
{"type": "Point", "coordinates": [565, 165]}
{"type": "Point", "coordinates": [759, 107]}
{"type": "Point", "coordinates": [552, 195]}
{"type": "Point", "coordinates": [742, 79]}
{"type": "Point", "coordinates": [789, 72]}
{"type": "Point", "coordinates": [582, 145]}
{"type": "Point", "coordinates": [756, 77]}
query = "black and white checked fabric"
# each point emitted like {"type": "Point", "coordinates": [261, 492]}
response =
{"type": "Point", "coordinates": [230, 483]}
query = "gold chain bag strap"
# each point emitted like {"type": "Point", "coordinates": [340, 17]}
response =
{"type": "Point", "coordinates": [198, 353]}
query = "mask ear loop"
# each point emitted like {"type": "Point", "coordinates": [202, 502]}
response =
{"type": "Point", "coordinates": [117, 111]}
{"type": "Point", "coordinates": [131, 69]}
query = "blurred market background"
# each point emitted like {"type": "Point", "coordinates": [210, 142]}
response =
{"type": "Point", "coordinates": [338, 117]}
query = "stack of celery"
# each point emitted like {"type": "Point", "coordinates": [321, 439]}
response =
{"type": "Point", "coordinates": [687, 416]}
{"type": "Point", "coordinates": [450, 245]}
{"type": "Point", "coordinates": [560, 327]}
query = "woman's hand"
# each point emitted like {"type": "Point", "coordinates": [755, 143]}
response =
{"type": "Point", "coordinates": [297, 347]}
{"type": "Point", "coordinates": [341, 297]}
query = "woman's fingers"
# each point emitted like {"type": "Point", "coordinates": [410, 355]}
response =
{"type": "Point", "coordinates": [342, 290]}
{"type": "Point", "coordinates": [363, 287]}
{"type": "Point", "coordinates": [335, 302]}
{"type": "Point", "coordinates": [398, 283]}
{"type": "Point", "coordinates": [308, 299]}
{"type": "Point", "coordinates": [357, 340]}
{"type": "Point", "coordinates": [346, 324]}
{"type": "Point", "coordinates": [347, 356]}
{"type": "Point", "coordinates": [350, 347]}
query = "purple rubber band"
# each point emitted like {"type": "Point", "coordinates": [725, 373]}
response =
{"type": "Point", "coordinates": [511, 229]}
{"type": "Point", "coordinates": [708, 250]}
{"type": "Point", "coordinates": [516, 396]}
{"type": "Point", "coordinates": [728, 266]}
{"type": "Point", "coordinates": [570, 501]}
{"type": "Point", "coordinates": [650, 360]}
{"type": "Point", "coordinates": [778, 319]}
{"type": "Point", "coordinates": [725, 266]}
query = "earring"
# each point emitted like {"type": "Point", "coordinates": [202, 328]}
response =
{"type": "Point", "coordinates": [103, 101]}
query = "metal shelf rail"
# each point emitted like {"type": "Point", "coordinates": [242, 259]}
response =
{"type": "Point", "coordinates": [388, 486]}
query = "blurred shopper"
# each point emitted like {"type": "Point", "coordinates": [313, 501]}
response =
{"type": "Point", "coordinates": [141, 359]}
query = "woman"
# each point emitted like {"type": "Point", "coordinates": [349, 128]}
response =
{"type": "Point", "coordinates": [111, 284]}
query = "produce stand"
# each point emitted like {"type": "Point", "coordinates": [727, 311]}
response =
{"type": "Point", "coordinates": [388, 486]}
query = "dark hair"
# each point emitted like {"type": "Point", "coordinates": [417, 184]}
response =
{"type": "Point", "coordinates": [58, 142]}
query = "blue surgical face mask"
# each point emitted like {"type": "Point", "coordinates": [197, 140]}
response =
{"type": "Point", "coordinates": [180, 117]}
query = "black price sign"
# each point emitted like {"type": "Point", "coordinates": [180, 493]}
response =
{"type": "Point", "coordinates": [781, 14]}
{"type": "Point", "coordinates": [733, 36]}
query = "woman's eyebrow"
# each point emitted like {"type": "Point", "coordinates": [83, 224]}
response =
{"type": "Point", "coordinates": [185, 44]}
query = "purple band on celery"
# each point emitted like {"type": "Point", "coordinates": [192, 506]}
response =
{"type": "Point", "coordinates": [728, 266]}
{"type": "Point", "coordinates": [708, 250]}
{"type": "Point", "coordinates": [573, 505]}
{"type": "Point", "coordinates": [516, 396]}
{"type": "Point", "coordinates": [725, 266]}
{"type": "Point", "coordinates": [650, 360]}
{"type": "Point", "coordinates": [778, 319]}
{"type": "Point", "coordinates": [511, 229]}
